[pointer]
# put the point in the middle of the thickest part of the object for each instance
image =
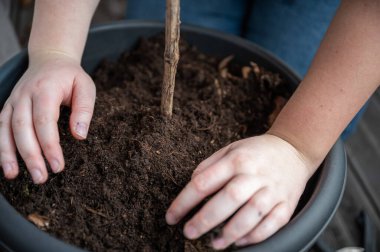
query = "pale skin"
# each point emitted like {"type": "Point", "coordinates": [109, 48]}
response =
{"type": "Point", "coordinates": [262, 177]}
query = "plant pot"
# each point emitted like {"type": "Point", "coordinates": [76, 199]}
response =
{"type": "Point", "coordinates": [317, 205]}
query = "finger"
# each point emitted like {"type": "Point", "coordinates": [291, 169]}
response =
{"type": "Point", "coordinates": [201, 186]}
{"type": "Point", "coordinates": [277, 218]}
{"type": "Point", "coordinates": [211, 160]}
{"type": "Point", "coordinates": [26, 140]}
{"type": "Point", "coordinates": [82, 106]}
{"type": "Point", "coordinates": [247, 218]}
{"type": "Point", "coordinates": [7, 144]}
{"type": "Point", "coordinates": [45, 118]}
{"type": "Point", "coordinates": [222, 205]}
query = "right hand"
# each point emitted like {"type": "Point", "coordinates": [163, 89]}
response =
{"type": "Point", "coordinates": [28, 120]}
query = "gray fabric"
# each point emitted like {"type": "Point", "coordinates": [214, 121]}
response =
{"type": "Point", "coordinates": [6, 6]}
{"type": "Point", "coordinates": [9, 44]}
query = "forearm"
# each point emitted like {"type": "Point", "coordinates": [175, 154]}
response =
{"type": "Point", "coordinates": [343, 75]}
{"type": "Point", "coordinates": [61, 26]}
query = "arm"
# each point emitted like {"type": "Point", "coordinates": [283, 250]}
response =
{"type": "Point", "coordinates": [263, 177]}
{"type": "Point", "coordinates": [61, 27]}
{"type": "Point", "coordinates": [343, 75]}
{"type": "Point", "coordinates": [54, 77]}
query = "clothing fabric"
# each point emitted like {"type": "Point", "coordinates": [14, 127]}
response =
{"type": "Point", "coordinates": [290, 29]}
{"type": "Point", "coordinates": [9, 45]}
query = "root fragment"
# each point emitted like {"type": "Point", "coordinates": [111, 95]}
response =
{"type": "Point", "coordinates": [245, 71]}
{"type": "Point", "coordinates": [219, 92]}
{"type": "Point", "coordinates": [223, 64]}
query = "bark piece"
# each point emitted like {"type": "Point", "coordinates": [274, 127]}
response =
{"type": "Point", "coordinates": [40, 221]}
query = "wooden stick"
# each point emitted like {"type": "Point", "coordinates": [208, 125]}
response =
{"type": "Point", "coordinates": [171, 56]}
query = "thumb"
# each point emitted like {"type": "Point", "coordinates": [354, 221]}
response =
{"type": "Point", "coordinates": [82, 105]}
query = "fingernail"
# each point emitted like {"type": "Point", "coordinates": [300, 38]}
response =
{"type": "Point", "coordinates": [55, 166]}
{"type": "Point", "coordinates": [81, 129]}
{"type": "Point", "coordinates": [242, 242]}
{"type": "Point", "coordinates": [7, 168]}
{"type": "Point", "coordinates": [219, 243]}
{"type": "Point", "coordinates": [170, 218]}
{"type": "Point", "coordinates": [191, 232]}
{"type": "Point", "coordinates": [36, 176]}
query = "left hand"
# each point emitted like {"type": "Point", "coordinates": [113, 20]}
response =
{"type": "Point", "coordinates": [262, 178]}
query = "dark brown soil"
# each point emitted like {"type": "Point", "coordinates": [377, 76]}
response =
{"type": "Point", "coordinates": [119, 182]}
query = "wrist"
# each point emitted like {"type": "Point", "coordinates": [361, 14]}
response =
{"type": "Point", "coordinates": [310, 160]}
{"type": "Point", "coordinates": [38, 56]}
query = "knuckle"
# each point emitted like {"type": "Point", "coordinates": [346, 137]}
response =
{"type": "Point", "coordinates": [40, 83]}
{"type": "Point", "coordinates": [232, 233]}
{"type": "Point", "coordinates": [41, 120]}
{"type": "Point", "coordinates": [282, 219]}
{"type": "Point", "coordinates": [42, 98]}
{"type": "Point", "coordinates": [257, 236]}
{"type": "Point", "coordinates": [6, 153]}
{"type": "Point", "coordinates": [203, 223]}
{"type": "Point", "coordinates": [235, 191]}
{"type": "Point", "coordinates": [18, 122]}
{"type": "Point", "coordinates": [259, 204]}
{"type": "Point", "coordinates": [200, 184]}
{"type": "Point", "coordinates": [238, 160]}
{"type": "Point", "coordinates": [29, 156]}
{"type": "Point", "coordinates": [48, 146]}
{"type": "Point", "coordinates": [253, 203]}
{"type": "Point", "coordinates": [282, 215]}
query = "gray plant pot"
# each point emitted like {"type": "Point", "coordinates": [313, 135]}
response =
{"type": "Point", "coordinates": [318, 203]}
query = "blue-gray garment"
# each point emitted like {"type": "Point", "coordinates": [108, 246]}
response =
{"type": "Point", "coordinates": [291, 29]}
{"type": "Point", "coordinates": [9, 45]}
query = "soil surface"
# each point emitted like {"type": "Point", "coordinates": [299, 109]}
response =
{"type": "Point", "coordinates": [117, 184]}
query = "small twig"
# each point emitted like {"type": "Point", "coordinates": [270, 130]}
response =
{"type": "Point", "coordinates": [213, 122]}
{"type": "Point", "coordinates": [172, 179]}
{"type": "Point", "coordinates": [95, 212]}
{"type": "Point", "coordinates": [171, 56]}
{"type": "Point", "coordinates": [218, 91]}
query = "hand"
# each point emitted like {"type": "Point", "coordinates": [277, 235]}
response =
{"type": "Point", "coordinates": [28, 120]}
{"type": "Point", "coordinates": [262, 178]}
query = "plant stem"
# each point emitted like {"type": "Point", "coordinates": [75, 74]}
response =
{"type": "Point", "coordinates": [171, 56]}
